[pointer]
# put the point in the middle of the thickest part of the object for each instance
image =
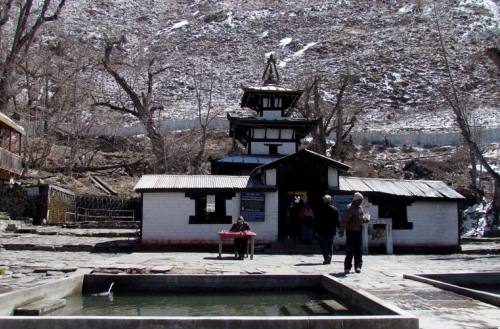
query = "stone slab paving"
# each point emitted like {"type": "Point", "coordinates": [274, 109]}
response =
{"type": "Point", "coordinates": [382, 274]}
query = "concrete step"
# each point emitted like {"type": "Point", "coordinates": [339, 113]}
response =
{"type": "Point", "coordinates": [316, 307]}
{"type": "Point", "coordinates": [103, 224]}
{"type": "Point", "coordinates": [334, 306]}
{"type": "Point", "coordinates": [40, 307]}
{"type": "Point", "coordinates": [292, 311]}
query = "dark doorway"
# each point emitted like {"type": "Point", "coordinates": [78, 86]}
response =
{"type": "Point", "coordinates": [299, 179]}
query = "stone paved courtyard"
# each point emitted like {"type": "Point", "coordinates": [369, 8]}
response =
{"type": "Point", "coordinates": [382, 274]}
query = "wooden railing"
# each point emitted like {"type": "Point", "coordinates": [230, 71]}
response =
{"type": "Point", "coordinates": [10, 162]}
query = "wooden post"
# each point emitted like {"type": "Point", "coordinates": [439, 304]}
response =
{"type": "Point", "coordinates": [20, 144]}
{"type": "Point", "coordinates": [365, 240]}
{"type": "Point", "coordinates": [388, 237]}
{"type": "Point", "coordinates": [10, 140]}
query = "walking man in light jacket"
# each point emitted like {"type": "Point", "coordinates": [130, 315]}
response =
{"type": "Point", "coordinates": [352, 223]}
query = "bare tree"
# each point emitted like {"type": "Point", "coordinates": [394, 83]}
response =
{"type": "Point", "coordinates": [29, 15]}
{"type": "Point", "coordinates": [141, 103]}
{"type": "Point", "coordinates": [56, 105]}
{"type": "Point", "coordinates": [459, 108]}
{"type": "Point", "coordinates": [203, 82]}
{"type": "Point", "coordinates": [334, 118]}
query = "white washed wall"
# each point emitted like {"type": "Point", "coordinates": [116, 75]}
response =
{"type": "Point", "coordinates": [270, 177]}
{"type": "Point", "coordinates": [272, 114]}
{"type": "Point", "coordinates": [268, 229]}
{"type": "Point", "coordinates": [166, 219]}
{"type": "Point", "coordinates": [434, 223]}
{"type": "Point", "coordinates": [260, 148]}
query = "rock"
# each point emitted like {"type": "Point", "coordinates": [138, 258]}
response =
{"type": "Point", "coordinates": [416, 170]}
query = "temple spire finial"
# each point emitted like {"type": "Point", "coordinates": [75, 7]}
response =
{"type": "Point", "coordinates": [271, 75]}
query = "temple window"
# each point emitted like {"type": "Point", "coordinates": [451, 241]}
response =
{"type": "Point", "coordinates": [287, 133]}
{"type": "Point", "coordinates": [210, 208]}
{"type": "Point", "coordinates": [277, 102]}
{"type": "Point", "coordinates": [394, 208]}
{"type": "Point", "coordinates": [210, 204]}
{"type": "Point", "coordinates": [266, 102]}
{"type": "Point", "coordinates": [273, 133]}
{"type": "Point", "coordinates": [273, 149]}
{"type": "Point", "coordinates": [259, 133]}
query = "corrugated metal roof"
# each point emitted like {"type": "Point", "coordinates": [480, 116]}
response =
{"type": "Point", "coordinates": [254, 159]}
{"type": "Point", "coordinates": [184, 182]}
{"type": "Point", "coordinates": [408, 188]}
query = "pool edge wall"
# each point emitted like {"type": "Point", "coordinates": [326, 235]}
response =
{"type": "Point", "coordinates": [360, 298]}
{"type": "Point", "coordinates": [52, 290]}
{"type": "Point", "coordinates": [434, 280]}
{"type": "Point", "coordinates": [395, 318]}
{"type": "Point", "coordinates": [372, 322]}
{"type": "Point", "coordinates": [95, 283]}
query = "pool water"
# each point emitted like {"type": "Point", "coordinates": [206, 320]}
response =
{"type": "Point", "coordinates": [245, 303]}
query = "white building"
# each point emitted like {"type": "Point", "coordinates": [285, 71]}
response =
{"type": "Point", "coordinates": [191, 209]}
{"type": "Point", "coordinates": [265, 183]}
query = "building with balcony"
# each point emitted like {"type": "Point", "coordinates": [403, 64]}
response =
{"type": "Point", "coordinates": [10, 148]}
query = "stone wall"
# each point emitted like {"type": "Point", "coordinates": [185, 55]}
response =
{"type": "Point", "coordinates": [14, 201]}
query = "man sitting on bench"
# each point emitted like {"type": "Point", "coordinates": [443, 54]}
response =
{"type": "Point", "coordinates": [240, 243]}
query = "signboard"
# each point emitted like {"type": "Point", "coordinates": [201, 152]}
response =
{"type": "Point", "coordinates": [340, 202]}
{"type": "Point", "coordinates": [252, 206]}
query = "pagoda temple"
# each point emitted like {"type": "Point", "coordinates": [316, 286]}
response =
{"type": "Point", "coordinates": [271, 133]}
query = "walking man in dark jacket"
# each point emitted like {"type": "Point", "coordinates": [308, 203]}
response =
{"type": "Point", "coordinates": [325, 225]}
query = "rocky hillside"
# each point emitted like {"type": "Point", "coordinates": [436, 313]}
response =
{"type": "Point", "coordinates": [392, 46]}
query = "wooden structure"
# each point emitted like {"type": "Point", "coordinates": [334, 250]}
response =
{"type": "Point", "coordinates": [10, 148]}
{"type": "Point", "coordinates": [55, 205]}
{"type": "Point", "coordinates": [269, 135]}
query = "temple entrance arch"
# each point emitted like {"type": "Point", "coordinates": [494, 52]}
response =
{"type": "Point", "coordinates": [303, 175]}
{"type": "Point", "coordinates": [299, 180]}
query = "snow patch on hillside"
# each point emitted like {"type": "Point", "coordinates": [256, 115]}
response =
{"type": "Point", "coordinates": [296, 54]}
{"type": "Point", "coordinates": [179, 25]}
{"type": "Point", "coordinates": [285, 41]}
{"type": "Point", "coordinates": [490, 5]}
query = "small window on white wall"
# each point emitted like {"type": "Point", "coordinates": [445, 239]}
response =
{"type": "Point", "coordinates": [210, 207]}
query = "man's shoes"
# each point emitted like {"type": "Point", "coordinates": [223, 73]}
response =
{"type": "Point", "coordinates": [241, 257]}
{"type": "Point", "coordinates": [328, 260]}
{"type": "Point", "coordinates": [358, 270]}
{"type": "Point", "coordinates": [346, 271]}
